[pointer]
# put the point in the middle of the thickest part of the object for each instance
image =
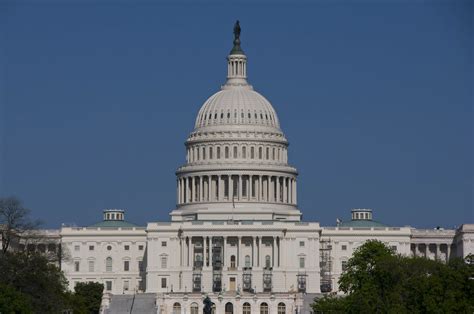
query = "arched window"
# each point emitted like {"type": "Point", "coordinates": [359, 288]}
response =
{"type": "Point", "coordinates": [267, 155]}
{"type": "Point", "coordinates": [194, 308]}
{"type": "Point", "coordinates": [246, 308]}
{"type": "Point", "coordinates": [176, 308]}
{"type": "Point", "coordinates": [244, 152]}
{"type": "Point", "coordinates": [232, 261]}
{"type": "Point", "coordinates": [229, 308]}
{"type": "Point", "coordinates": [252, 152]}
{"type": "Point", "coordinates": [203, 153]}
{"type": "Point", "coordinates": [247, 260]}
{"type": "Point", "coordinates": [108, 264]}
{"type": "Point", "coordinates": [273, 153]}
{"type": "Point", "coordinates": [197, 153]}
{"type": "Point", "coordinates": [267, 261]}
{"type": "Point", "coordinates": [281, 308]}
{"type": "Point", "coordinates": [218, 153]}
{"type": "Point", "coordinates": [226, 152]}
{"type": "Point", "coordinates": [210, 153]}
{"type": "Point", "coordinates": [259, 153]}
{"type": "Point", "coordinates": [235, 151]}
{"type": "Point", "coordinates": [264, 308]}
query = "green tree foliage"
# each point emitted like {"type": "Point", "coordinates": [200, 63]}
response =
{"type": "Point", "coordinates": [378, 281]}
{"type": "Point", "coordinates": [89, 294]}
{"type": "Point", "coordinates": [41, 282]}
{"type": "Point", "coordinates": [13, 301]}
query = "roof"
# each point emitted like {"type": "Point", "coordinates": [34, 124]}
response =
{"type": "Point", "coordinates": [361, 224]}
{"type": "Point", "coordinates": [114, 224]}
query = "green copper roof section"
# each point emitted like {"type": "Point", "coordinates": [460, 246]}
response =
{"type": "Point", "coordinates": [114, 224]}
{"type": "Point", "coordinates": [362, 224]}
{"type": "Point", "coordinates": [237, 50]}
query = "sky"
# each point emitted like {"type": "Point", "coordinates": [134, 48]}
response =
{"type": "Point", "coordinates": [376, 99]}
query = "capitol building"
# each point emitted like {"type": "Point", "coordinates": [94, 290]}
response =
{"type": "Point", "coordinates": [236, 234]}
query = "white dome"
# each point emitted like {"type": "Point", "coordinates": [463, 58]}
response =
{"type": "Point", "coordinates": [237, 105]}
{"type": "Point", "coordinates": [236, 157]}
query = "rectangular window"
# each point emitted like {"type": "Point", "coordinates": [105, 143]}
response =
{"type": "Point", "coordinates": [126, 265]}
{"type": "Point", "coordinates": [140, 266]}
{"type": "Point", "coordinates": [163, 282]}
{"type": "Point", "coordinates": [163, 243]}
{"type": "Point", "coordinates": [394, 248]}
{"type": "Point", "coordinates": [140, 247]}
{"type": "Point", "coordinates": [91, 266]}
{"type": "Point", "coordinates": [301, 243]}
{"type": "Point", "coordinates": [91, 248]}
{"type": "Point", "coordinates": [126, 247]}
{"type": "Point", "coordinates": [77, 248]}
{"type": "Point", "coordinates": [108, 285]}
{"type": "Point", "coordinates": [344, 265]}
{"type": "Point", "coordinates": [126, 285]}
{"type": "Point", "coordinates": [164, 262]}
{"type": "Point", "coordinates": [76, 266]}
{"type": "Point", "coordinates": [344, 247]}
{"type": "Point", "coordinates": [301, 262]}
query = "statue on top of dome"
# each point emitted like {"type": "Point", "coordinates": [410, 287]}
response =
{"type": "Point", "coordinates": [236, 49]}
{"type": "Point", "coordinates": [237, 30]}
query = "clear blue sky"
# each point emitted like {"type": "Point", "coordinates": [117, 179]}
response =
{"type": "Point", "coordinates": [376, 98]}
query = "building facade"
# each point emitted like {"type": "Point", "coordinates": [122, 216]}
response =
{"type": "Point", "coordinates": [236, 234]}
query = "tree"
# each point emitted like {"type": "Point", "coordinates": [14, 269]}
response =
{"type": "Point", "coordinates": [13, 301]}
{"type": "Point", "coordinates": [90, 294]}
{"type": "Point", "coordinates": [34, 276]}
{"type": "Point", "coordinates": [15, 222]}
{"type": "Point", "coordinates": [378, 281]}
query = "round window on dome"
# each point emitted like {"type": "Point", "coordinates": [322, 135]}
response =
{"type": "Point", "coordinates": [109, 247]}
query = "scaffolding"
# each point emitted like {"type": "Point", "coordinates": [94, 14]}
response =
{"type": "Point", "coordinates": [217, 245]}
{"type": "Point", "coordinates": [325, 265]}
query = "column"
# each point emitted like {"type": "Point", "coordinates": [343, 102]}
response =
{"type": "Point", "coordinates": [253, 252]}
{"type": "Point", "coordinates": [193, 187]}
{"type": "Point", "coordinates": [437, 253]}
{"type": "Point", "coordinates": [239, 244]}
{"type": "Point", "coordinates": [209, 187]}
{"type": "Point", "coordinates": [224, 258]}
{"type": "Point", "coordinates": [278, 251]}
{"type": "Point", "coordinates": [177, 191]}
{"type": "Point", "coordinates": [260, 252]}
{"type": "Point", "coordinates": [204, 252]}
{"type": "Point", "coordinates": [181, 252]}
{"type": "Point", "coordinates": [220, 189]}
{"type": "Point", "coordinates": [187, 251]}
{"type": "Point", "coordinates": [211, 248]}
{"type": "Point", "coordinates": [212, 188]}
{"type": "Point", "coordinates": [285, 194]}
{"type": "Point", "coordinates": [269, 189]}
{"type": "Point", "coordinates": [294, 192]}
{"type": "Point", "coordinates": [191, 250]}
{"type": "Point", "coordinates": [273, 251]}
{"type": "Point", "coordinates": [448, 252]}
{"type": "Point", "coordinates": [186, 190]}
{"type": "Point", "coordinates": [230, 184]}
{"type": "Point", "coordinates": [278, 189]}
{"type": "Point", "coordinates": [201, 188]}
{"type": "Point", "coordinates": [240, 187]}
{"type": "Point", "coordinates": [259, 188]}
